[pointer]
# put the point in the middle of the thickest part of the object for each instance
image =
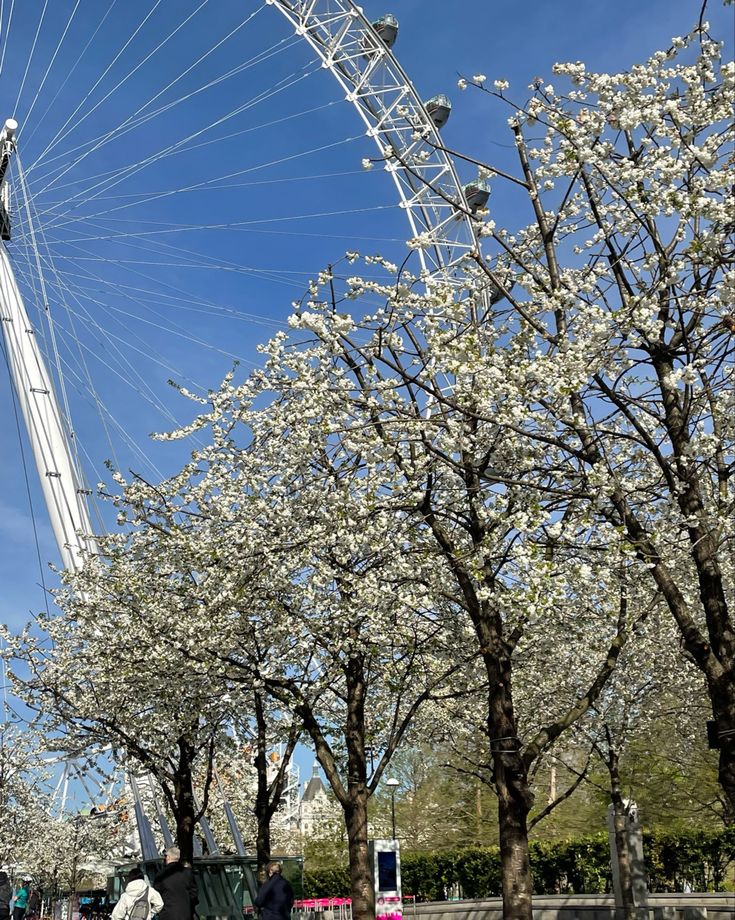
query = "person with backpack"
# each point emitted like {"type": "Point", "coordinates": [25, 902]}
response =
{"type": "Point", "coordinates": [6, 893]}
{"type": "Point", "coordinates": [139, 901]}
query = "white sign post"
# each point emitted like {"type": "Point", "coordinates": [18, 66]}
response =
{"type": "Point", "coordinates": [385, 859]}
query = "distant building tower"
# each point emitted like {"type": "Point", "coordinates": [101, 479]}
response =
{"type": "Point", "coordinates": [316, 807]}
{"type": "Point", "coordinates": [286, 818]}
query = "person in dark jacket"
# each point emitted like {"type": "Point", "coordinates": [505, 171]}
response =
{"type": "Point", "coordinates": [177, 886]}
{"type": "Point", "coordinates": [6, 893]}
{"type": "Point", "coordinates": [275, 898]}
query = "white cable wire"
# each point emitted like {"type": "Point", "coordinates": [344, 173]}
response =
{"type": "Point", "coordinates": [73, 115]}
{"type": "Point", "coordinates": [7, 34]}
{"type": "Point", "coordinates": [30, 57]}
{"type": "Point", "coordinates": [206, 183]}
{"type": "Point", "coordinates": [69, 71]}
{"type": "Point", "coordinates": [117, 131]}
{"type": "Point", "coordinates": [27, 115]}
{"type": "Point", "coordinates": [183, 144]}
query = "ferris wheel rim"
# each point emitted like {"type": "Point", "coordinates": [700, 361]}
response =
{"type": "Point", "coordinates": [440, 221]}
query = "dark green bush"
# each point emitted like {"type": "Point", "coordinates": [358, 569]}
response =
{"type": "Point", "coordinates": [699, 859]}
{"type": "Point", "coordinates": [327, 883]}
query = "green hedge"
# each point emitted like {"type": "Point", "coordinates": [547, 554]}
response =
{"type": "Point", "coordinates": [699, 859]}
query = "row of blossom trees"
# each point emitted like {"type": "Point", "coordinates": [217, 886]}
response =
{"type": "Point", "coordinates": [490, 491]}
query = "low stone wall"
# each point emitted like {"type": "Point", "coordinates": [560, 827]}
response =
{"type": "Point", "coordinates": [583, 907]}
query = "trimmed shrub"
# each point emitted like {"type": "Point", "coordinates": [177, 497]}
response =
{"type": "Point", "coordinates": [700, 860]}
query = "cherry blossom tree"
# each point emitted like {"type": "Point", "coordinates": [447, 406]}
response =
{"type": "Point", "coordinates": [616, 372]}
{"type": "Point", "coordinates": [358, 467]}
{"type": "Point", "coordinates": [103, 674]}
{"type": "Point", "coordinates": [34, 838]}
{"type": "Point", "coordinates": [24, 795]}
{"type": "Point", "coordinates": [335, 621]}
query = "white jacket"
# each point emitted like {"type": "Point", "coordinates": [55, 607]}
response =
{"type": "Point", "coordinates": [133, 891]}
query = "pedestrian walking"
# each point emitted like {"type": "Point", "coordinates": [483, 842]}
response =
{"type": "Point", "coordinates": [20, 904]}
{"type": "Point", "coordinates": [139, 901]}
{"type": "Point", "coordinates": [275, 898]}
{"type": "Point", "coordinates": [6, 893]}
{"type": "Point", "coordinates": [177, 886]}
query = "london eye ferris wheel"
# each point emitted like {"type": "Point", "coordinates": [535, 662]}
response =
{"type": "Point", "coordinates": [172, 174]}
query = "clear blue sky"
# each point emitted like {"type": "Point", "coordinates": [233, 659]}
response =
{"type": "Point", "coordinates": [142, 287]}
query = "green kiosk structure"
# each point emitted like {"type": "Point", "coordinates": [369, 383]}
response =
{"type": "Point", "coordinates": [226, 884]}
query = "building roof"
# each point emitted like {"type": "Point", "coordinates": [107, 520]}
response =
{"type": "Point", "coordinates": [314, 786]}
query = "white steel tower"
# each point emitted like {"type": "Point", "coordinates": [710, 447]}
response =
{"type": "Point", "coordinates": [65, 498]}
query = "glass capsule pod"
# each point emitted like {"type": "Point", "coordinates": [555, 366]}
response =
{"type": "Point", "coordinates": [439, 108]}
{"type": "Point", "coordinates": [477, 193]}
{"type": "Point", "coordinates": [387, 29]}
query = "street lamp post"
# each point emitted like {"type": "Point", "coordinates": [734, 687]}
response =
{"type": "Point", "coordinates": [393, 784]}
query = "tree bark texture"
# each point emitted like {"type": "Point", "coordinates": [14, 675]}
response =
{"type": "Point", "coordinates": [263, 812]}
{"type": "Point", "coordinates": [355, 809]}
{"type": "Point", "coordinates": [722, 694]}
{"type": "Point", "coordinates": [626, 910]}
{"type": "Point", "coordinates": [361, 880]}
{"type": "Point", "coordinates": [514, 795]}
{"type": "Point", "coordinates": [185, 810]}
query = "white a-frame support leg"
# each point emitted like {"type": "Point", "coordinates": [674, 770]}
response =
{"type": "Point", "coordinates": [65, 499]}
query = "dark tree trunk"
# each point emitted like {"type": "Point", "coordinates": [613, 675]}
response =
{"type": "Point", "coordinates": [722, 694]}
{"type": "Point", "coordinates": [269, 792]}
{"type": "Point", "coordinates": [353, 797]}
{"type": "Point", "coordinates": [355, 809]}
{"type": "Point", "coordinates": [185, 808]}
{"type": "Point", "coordinates": [626, 911]}
{"type": "Point", "coordinates": [514, 795]}
{"type": "Point", "coordinates": [263, 811]}
{"type": "Point", "coordinates": [361, 881]}
{"type": "Point", "coordinates": [704, 550]}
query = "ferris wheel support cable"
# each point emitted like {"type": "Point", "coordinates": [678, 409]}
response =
{"type": "Point", "coordinates": [6, 34]}
{"type": "Point", "coordinates": [133, 120]}
{"type": "Point", "coordinates": [117, 178]}
{"type": "Point", "coordinates": [27, 114]}
{"type": "Point", "coordinates": [71, 119]}
{"type": "Point", "coordinates": [182, 145]}
{"type": "Point", "coordinates": [146, 198]}
{"type": "Point", "coordinates": [137, 118]}
{"type": "Point", "coordinates": [27, 137]}
{"type": "Point", "coordinates": [30, 57]}
{"type": "Point", "coordinates": [140, 63]}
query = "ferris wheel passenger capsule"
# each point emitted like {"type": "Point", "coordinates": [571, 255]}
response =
{"type": "Point", "coordinates": [477, 194]}
{"type": "Point", "coordinates": [387, 29]}
{"type": "Point", "coordinates": [439, 108]}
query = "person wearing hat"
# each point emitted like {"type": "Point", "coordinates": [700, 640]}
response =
{"type": "Point", "coordinates": [6, 893]}
{"type": "Point", "coordinates": [21, 900]}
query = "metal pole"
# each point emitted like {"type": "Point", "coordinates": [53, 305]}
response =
{"type": "Point", "coordinates": [393, 810]}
